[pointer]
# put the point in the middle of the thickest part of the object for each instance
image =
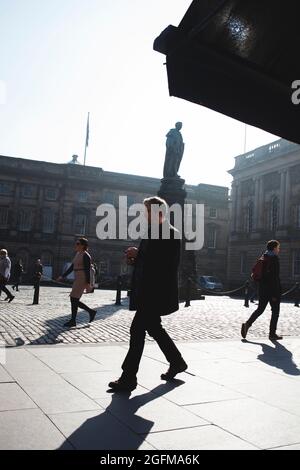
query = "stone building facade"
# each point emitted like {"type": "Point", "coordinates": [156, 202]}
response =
{"type": "Point", "coordinates": [44, 206]}
{"type": "Point", "coordinates": [265, 204]}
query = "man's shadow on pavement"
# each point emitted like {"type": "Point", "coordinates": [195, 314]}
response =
{"type": "Point", "coordinates": [279, 357]}
{"type": "Point", "coordinates": [54, 326]}
{"type": "Point", "coordinates": [118, 427]}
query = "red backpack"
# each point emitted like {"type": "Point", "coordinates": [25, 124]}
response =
{"type": "Point", "coordinates": [259, 268]}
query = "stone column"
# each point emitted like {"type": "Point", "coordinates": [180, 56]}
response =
{"type": "Point", "coordinates": [261, 204]}
{"type": "Point", "coordinates": [257, 183]}
{"type": "Point", "coordinates": [282, 202]}
{"type": "Point", "coordinates": [233, 207]}
{"type": "Point", "coordinates": [238, 213]}
{"type": "Point", "coordinates": [286, 219]}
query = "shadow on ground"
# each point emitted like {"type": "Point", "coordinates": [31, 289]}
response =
{"type": "Point", "coordinates": [278, 356]}
{"type": "Point", "coordinates": [118, 427]}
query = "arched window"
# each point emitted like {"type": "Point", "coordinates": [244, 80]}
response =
{"type": "Point", "coordinates": [249, 217]}
{"type": "Point", "coordinates": [274, 213]}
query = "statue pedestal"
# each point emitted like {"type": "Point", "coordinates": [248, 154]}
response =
{"type": "Point", "coordinates": [172, 190]}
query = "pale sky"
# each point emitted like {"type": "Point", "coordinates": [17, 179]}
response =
{"type": "Point", "coordinates": [63, 58]}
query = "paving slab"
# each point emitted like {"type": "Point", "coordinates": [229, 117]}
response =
{"type": "Point", "coordinates": [99, 430]}
{"type": "Point", "coordinates": [258, 423]}
{"type": "Point", "coordinates": [207, 437]}
{"type": "Point", "coordinates": [29, 430]}
{"type": "Point", "coordinates": [12, 397]}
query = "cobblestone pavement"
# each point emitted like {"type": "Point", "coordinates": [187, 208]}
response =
{"type": "Point", "coordinates": [212, 318]}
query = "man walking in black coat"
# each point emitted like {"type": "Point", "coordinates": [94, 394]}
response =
{"type": "Point", "coordinates": [269, 290]}
{"type": "Point", "coordinates": [154, 293]}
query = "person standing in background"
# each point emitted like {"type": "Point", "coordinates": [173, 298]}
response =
{"type": "Point", "coordinates": [5, 268]}
{"type": "Point", "coordinates": [17, 272]}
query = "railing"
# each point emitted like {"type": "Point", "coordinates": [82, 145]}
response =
{"type": "Point", "coordinates": [280, 147]}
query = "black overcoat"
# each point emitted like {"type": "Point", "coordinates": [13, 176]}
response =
{"type": "Point", "coordinates": [154, 284]}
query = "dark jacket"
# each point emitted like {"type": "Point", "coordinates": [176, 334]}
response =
{"type": "Point", "coordinates": [18, 270]}
{"type": "Point", "coordinates": [270, 285]}
{"type": "Point", "coordinates": [154, 284]}
{"type": "Point", "coordinates": [37, 273]}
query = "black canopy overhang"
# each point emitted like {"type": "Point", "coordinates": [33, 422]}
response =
{"type": "Point", "coordinates": [223, 81]}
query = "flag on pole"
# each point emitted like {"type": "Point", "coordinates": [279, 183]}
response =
{"type": "Point", "coordinates": [87, 137]}
{"type": "Point", "coordinates": [87, 131]}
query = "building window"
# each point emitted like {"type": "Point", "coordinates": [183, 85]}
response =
{"type": "Point", "coordinates": [3, 217]}
{"type": "Point", "coordinates": [109, 197]}
{"type": "Point", "coordinates": [212, 212]}
{"type": "Point", "coordinates": [249, 217]}
{"type": "Point", "coordinates": [51, 194]}
{"type": "Point", "coordinates": [25, 220]}
{"type": "Point", "coordinates": [296, 263]}
{"type": "Point", "coordinates": [28, 190]}
{"type": "Point", "coordinates": [80, 224]}
{"type": "Point", "coordinates": [244, 263]}
{"type": "Point", "coordinates": [48, 221]}
{"type": "Point", "coordinates": [6, 188]}
{"type": "Point", "coordinates": [212, 237]}
{"type": "Point", "coordinates": [274, 214]}
{"type": "Point", "coordinates": [82, 196]}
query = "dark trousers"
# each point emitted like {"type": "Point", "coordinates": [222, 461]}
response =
{"type": "Point", "coordinates": [142, 323]}
{"type": "Point", "coordinates": [16, 284]}
{"type": "Point", "coordinates": [264, 299]}
{"type": "Point", "coordinates": [36, 294]}
{"type": "Point", "coordinates": [4, 289]}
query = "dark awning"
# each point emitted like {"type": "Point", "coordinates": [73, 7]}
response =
{"type": "Point", "coordinates": [238, 57]}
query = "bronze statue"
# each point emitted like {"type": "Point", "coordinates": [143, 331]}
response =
{"type": "Point", "coordinates": [174, 151]}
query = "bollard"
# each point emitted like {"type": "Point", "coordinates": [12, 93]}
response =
{"type": "Point", "coordinates": [297, 299]}
{"type": "Point", "coordinates": [36, 293]}
{"type": "Point", "coordinates": [246, 303]}
{"type": "Point", "coordinates": [188, 292]}
{"type": "Point", "coordinates": [119, 289]}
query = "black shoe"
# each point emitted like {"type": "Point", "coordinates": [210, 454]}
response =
{"type": "Point", "coordinates": [173, 370]}
{"type": "Point", "coordinates": [11, 298]}
{"type": "Point", "coordinates": [13, 287]}
{"type": "Point", "coordinates": [92, 314]}
{"type": "Point", "coordinates": [123, 385]}
{"type": "Point", "coordinates": [70, 323]}
{"type": "Point", "coordinates": [6, 298]}
{"type": "Point", "coordinates": [275, 337]}
{"type": "Point", "coordinates": [244, 330]}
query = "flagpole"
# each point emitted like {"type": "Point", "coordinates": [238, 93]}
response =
{"type": "Point", "coordinates": [86, 138]}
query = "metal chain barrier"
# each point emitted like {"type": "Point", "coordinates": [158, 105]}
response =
{"type": "Point", "coordinates": [245, 287]}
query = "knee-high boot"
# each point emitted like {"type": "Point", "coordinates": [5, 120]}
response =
{"type": "Point", "coordinates": [91, 312]}
{"type": "Point", "coordinates": [74, 309]}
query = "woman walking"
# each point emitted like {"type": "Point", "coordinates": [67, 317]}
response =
{"type": "Point", "coordinates": [82, 267]}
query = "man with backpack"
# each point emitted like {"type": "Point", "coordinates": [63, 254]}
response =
{"type": "Point", "coordinates": [266, 273]}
